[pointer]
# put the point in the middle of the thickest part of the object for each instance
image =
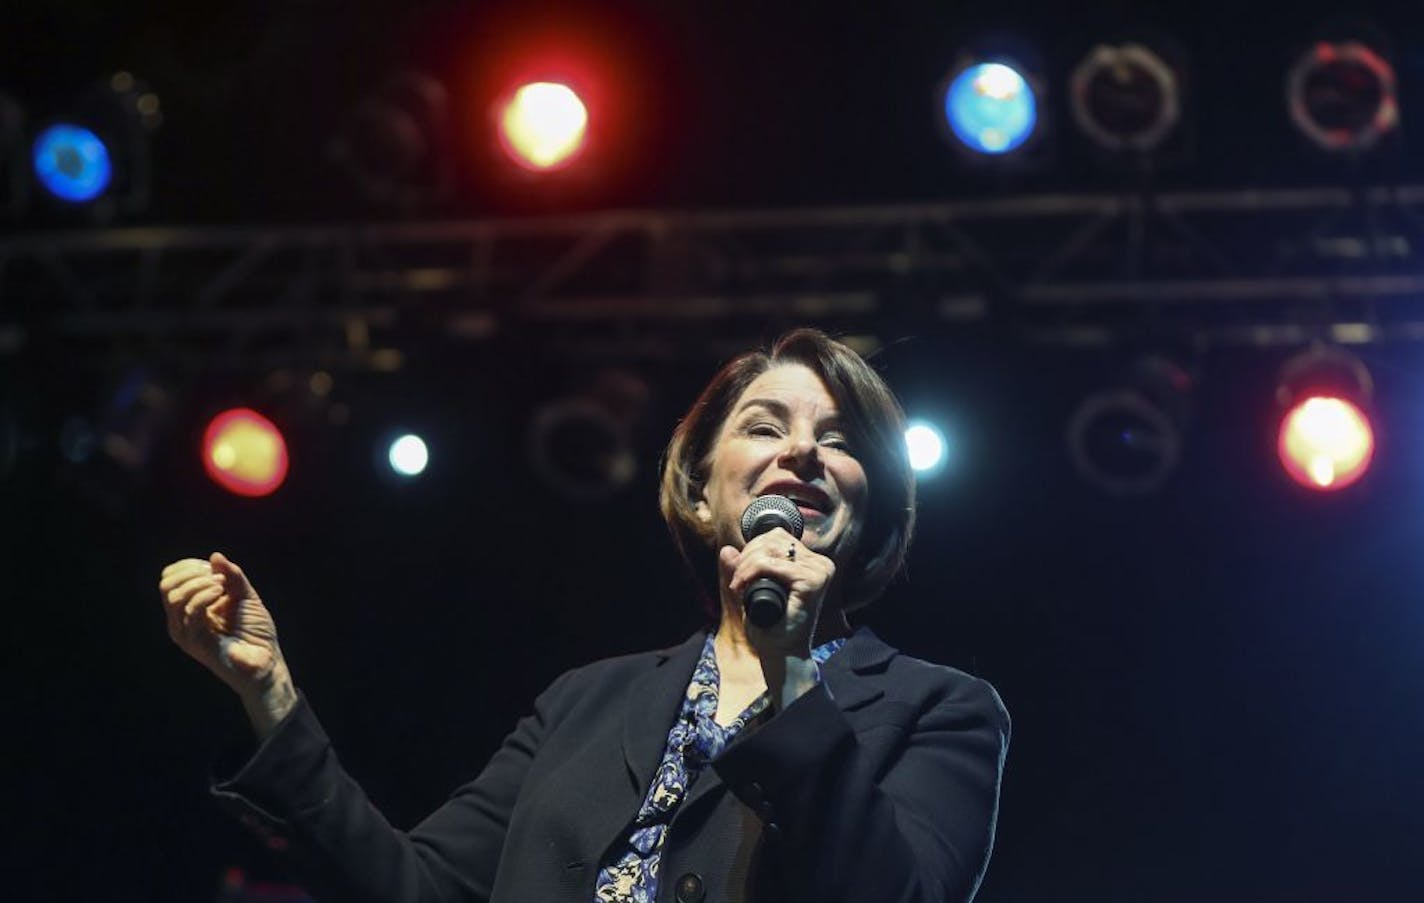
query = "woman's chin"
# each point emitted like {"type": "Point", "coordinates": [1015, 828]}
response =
{"type": "Point", "coordinates": [819, 543]}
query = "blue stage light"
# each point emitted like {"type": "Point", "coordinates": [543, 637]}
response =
{"type": "Point", "coordinates": [991, 108]}
{"type": "Point", "coordinates": [72, 163]}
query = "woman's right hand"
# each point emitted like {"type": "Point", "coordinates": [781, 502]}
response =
{"type": "Point", "coordinates": [216, 616]}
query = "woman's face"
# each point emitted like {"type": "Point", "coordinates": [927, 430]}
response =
{"type": "Point", "coordinates": [784, 436]}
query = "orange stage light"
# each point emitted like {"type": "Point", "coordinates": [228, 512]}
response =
{"type": "Point", "coordinates": [245, 453]}
{"type": "Point", "coordinates": [1326, 443]}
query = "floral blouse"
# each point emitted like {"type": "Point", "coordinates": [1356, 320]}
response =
{"type": "Point", "coordinates": [695, 740]}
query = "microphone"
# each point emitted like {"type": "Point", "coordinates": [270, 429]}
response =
{"type": "Point", "coordinates": [765, 600]}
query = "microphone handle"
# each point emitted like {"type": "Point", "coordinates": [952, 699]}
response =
{"type": "Point", "coordinates": [765, 602]}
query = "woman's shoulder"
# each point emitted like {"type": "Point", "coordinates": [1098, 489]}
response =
{"type": "Point", "coordinates": [616, 671]}
{"type": "Point", "coordinates": [925, 683]}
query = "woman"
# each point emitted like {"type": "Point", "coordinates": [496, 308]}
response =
{"type": "Point", "coordinates": [803, 761]}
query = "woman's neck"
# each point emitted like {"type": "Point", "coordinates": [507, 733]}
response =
{"type": "Point", "coordinates": [746, 673]}
{"type": "Point", "coordinates": [734, 647]}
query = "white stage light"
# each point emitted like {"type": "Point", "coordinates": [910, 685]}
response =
{"type": "Point", "coordinates": [926, 445]}
{"type": "Point", "coordinates": [408, 455]}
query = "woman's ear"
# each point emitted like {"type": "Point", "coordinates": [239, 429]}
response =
{"type": "Point", "coordinates": [701, 508]}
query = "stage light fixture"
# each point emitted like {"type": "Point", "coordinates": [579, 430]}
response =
{"type": "Point", "coordinates": [1127, 440]}
{"type": "Point", "coordinates": [542, 126]}
{"type": "Point", "coordinates": [990, 107]}
{"type": "Point", "coordinates": [107, 452]}
{"type": "Point", "coordinates": [926, 447]}
{"type": "Point", "coordinates": [1325, 440]}
{"type": "Point", "coordinates": [581, 445]}
{"type": "Point", "coordinates": [135, 419]}
{"type": "Point", "coordinates": [244, 453]}
{"type": "Point", "coordinates": [72, 163]}
{"type": "Point", "coordinates": [97, 158]}
{"type": "Point", "coordinates": [1125, 97]}
{"type": "Point", "coordinates": [581, 450]}
{"type": "Point", "coordinates": [408, 455]}
{"type": "Point", "coordinates": [1326, 443]}
{"type": "Point", "coordinates": [395, 145]}
{"type": "Point", "coordinates": [1342, 95]}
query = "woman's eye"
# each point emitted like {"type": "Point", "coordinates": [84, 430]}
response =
{"type": "Point", "coordinates": [763, 429]}
{"type": "Point", "coordinates": [836, 442]}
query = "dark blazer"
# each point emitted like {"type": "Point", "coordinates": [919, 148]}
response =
{"type": "Point", "coordinates": [882, 784]}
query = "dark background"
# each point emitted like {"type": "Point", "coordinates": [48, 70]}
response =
{"type": "Point", "coordinates": [1217, 691]}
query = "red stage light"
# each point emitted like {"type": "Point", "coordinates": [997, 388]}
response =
{"type": "Point", "coordinates": [542, 125]}
{"type": "Point", "coordinates": [1342, 96]}
{"type": "Point", "coordinates": [245, 453]}
{"type": "Point", "coordinates": [1325, 443]}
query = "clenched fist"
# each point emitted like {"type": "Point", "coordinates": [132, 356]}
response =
{"type": "Point", "coordinates": [216, 616]}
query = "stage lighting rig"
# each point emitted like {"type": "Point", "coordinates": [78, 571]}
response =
{"type": "Point", "coordinates": [991, 106]}
{"type": "Point", "coordinates": [245, 453]}
{"type": "Point", "coordinates": [1325, 440]}
{"type": "Point", "coordinates": [582, 445]}
{"type": "Point", "coordinates": [96, 160]}
{"type": "Point", "coordinates": [1127, 439]}
{"type": "Point", "coordinates": [72, 163]}
{"type": "Point", "coordinates": [1342, 95]}
{"type": "Point", "coordinates": [408, 455]}
{"type": "Point", "coordinates": [926, 446]}
{"type": "Point", "coordinates": [395, 145]}
{"type": "Point", "coordinates": [107, 451]}
{"type": "Point", "coordinates": [542, 125]}
{"type": "Point", "coordinates": [1125, 98]}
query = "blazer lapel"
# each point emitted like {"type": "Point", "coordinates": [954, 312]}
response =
{"type": "Point", "coordinates": [863, 653]}
{"type": "Point", "coordinates": [843, 673]}
{"type": "Point", "coordinates": [651, 704]}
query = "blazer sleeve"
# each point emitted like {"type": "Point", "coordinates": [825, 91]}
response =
{"type": "Point", "coordinates": [919, 830]}
{"type": "Point", "coordinates": [294, 793]}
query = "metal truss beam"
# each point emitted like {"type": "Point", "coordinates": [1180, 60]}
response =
{"type": "Point", "coordinates": [1257, 266]}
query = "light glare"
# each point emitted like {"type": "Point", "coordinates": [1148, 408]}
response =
{"type": "Point", "coordinates": [245, 453]}
{"type": "Point", "coordinates": [72, 163]}
{"type": "Point", "coordinates": [409, 455]}
{"type": "Point", "coordinates": [543, 126]}
{"type": "Point", "coordinates": [1326, 443]}
{"type": "Point", "coordinates": [926, 446]}
{"type": "Point", "coordinates": [991, 108]}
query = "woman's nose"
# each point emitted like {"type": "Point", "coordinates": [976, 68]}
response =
{"type": "Point", "coordinates": [800, 449]}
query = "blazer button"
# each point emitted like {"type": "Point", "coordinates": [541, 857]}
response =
{"type": "Point", "coordinates": [755, 792]}
{"type": "Point", "coordinates": [690, 889]}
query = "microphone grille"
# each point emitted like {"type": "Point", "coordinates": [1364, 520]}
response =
{"type": "Point", "coordinates": [768, 512]}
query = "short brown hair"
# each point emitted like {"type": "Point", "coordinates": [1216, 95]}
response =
{"type": "Point", "coordinates": [875, 425]}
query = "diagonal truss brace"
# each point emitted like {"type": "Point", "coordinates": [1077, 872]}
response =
{"type": "Point", "coordinates": [1258, 266]}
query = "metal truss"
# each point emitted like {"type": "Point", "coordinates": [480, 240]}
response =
{"type": "Point", "coordinates": [1257, 266]}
